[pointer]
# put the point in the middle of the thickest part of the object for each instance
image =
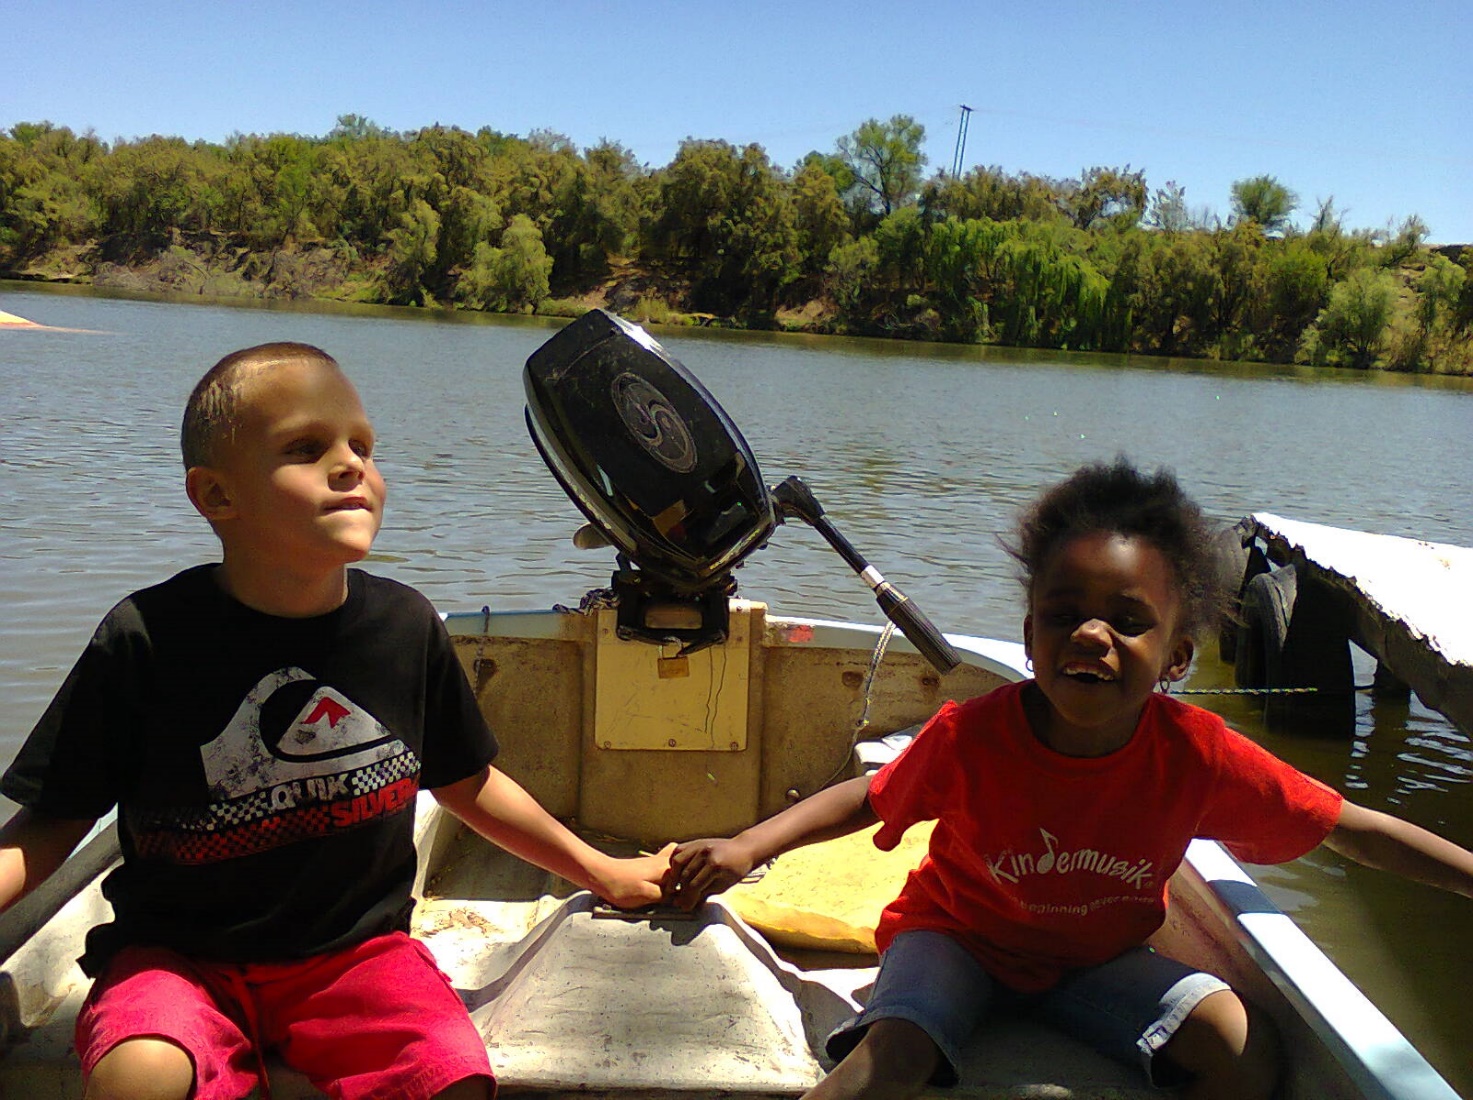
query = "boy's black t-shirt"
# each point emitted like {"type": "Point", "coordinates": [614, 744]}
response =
{"type": "Point", "coordinates": [265, 769]}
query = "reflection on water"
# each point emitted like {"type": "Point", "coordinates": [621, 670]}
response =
{"type": "Point", "coordinates": [920, 455]}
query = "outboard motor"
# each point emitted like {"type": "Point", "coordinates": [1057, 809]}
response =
{"type": "Point", "coordinates": [659, 469]}
{"type": "Point", "coordinates": [665, 477]}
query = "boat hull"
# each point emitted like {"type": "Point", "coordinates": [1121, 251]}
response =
{"type": "Point", "coordinates": [636, 747]}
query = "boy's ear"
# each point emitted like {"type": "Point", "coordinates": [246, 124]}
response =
{"type": "Point", "coordinates": [1180, 659]}
{"type": "Point", "coordinates": [209, 493]}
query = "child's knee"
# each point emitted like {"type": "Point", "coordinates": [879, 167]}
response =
{"type": "Point", "coordinates": [1227, 1042]}
{"type": "Point", "coordinates": [142, 1069]}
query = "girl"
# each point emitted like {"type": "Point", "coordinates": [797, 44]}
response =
{"type": "Point", "coordinates": [1063, 804]}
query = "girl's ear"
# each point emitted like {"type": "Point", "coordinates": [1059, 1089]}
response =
{"type": "Point", "coordinates": [209, 493]}
{"type": "Point", "coordinates": [1028, 636]}
{"type": "Point", "coordinates": [1179, 660]}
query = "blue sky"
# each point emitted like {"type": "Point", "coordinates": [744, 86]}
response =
{"type": "Point", "coordinates": [1368, 102]}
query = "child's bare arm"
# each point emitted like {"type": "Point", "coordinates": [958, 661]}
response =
{"type": "Point", "coordinates": [32, 846]}
{"type": "Point", "coordinates": [497, 807]}
{"type": "Point", "coordinates": [700, 868]}
{"type": "Point", "coordinates": [1390, 844]}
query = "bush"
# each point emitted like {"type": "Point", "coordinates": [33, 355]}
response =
{"type": "Point", "coordinates": [562, 307]}
{"type": "Point", "coordinates": [511, 278]}
{"type": "Point", "coordinates": [654, 311]}
{"type": "Point", "coordinates": [1351, 330]}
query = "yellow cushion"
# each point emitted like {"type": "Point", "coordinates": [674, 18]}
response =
{"type": "Point", "coordinates": [829, 896]}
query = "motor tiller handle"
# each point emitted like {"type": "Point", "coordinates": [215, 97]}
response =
{"type": "Point", "coordinates": [794, 498]}
{"type": "Point", "coordinates": [921, 632]}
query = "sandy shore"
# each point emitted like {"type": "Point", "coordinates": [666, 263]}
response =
{"type": "Point", "coordinates": [9, 322]}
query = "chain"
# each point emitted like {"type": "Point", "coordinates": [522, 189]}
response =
{"type": "Point", "coordinates": [869, 681]}
{"type": "Point", "coordinates": [867, 693]}
{"type": "Point", "coordinates": [1245, 691]}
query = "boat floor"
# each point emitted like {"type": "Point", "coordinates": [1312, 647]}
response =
{"type": "Point", "coordinates": [574, 998]}
{"type": "Point", "coordinates": [669, 1004]}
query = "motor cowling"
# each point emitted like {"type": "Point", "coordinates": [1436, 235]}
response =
{"type": "Point", "coordinates": [646, 453]}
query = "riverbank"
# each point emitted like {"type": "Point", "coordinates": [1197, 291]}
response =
{"type": "Point", "coordinates": [212, 266]}
{"type": "Point", "coordinates": [218, 266]}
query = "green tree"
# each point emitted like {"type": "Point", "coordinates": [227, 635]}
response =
{"type": "Point", "coordinates": [529, 176]}
{"type": "Point", "coordinates": [1168, 293]}
{"type": "Point", "coordinates": [1112, 196]}
{"type": "Point", "coordinates": [586, 207]}
{"type": "Point", "coordinates": [962, 261]}
{"type": "Point", "coordinates": [1047, 293]}
{"type": "Point", "coordinates": [1439, 289]}
{"type": "Point", "coordinates": [1422, 329]}
{"type": "Point", "coordinates": [990, 193]}
{"type": "Point", "coordinates": [1234, 286]}
{"type": "Point", "coordinates": [1343, 251]}
{"type": "Point", "coordinates": [363, 185]}
{"type": "Point", "coordinates": [1296, 282]}
{"type": "Point", "coordinates": [1462, 318]}
{"type": "Point", "coordinates": [851, 282]}
{"type": "Point", "coordinates": [1025, 283]}
{"type": "Point", "coordinates": [356, 128]}
{"type": "Point", "coordinates": [1265, 200]}
{"type": "Point", "coordinates": [151, 186]}
{"type": "Point", "coordinates": [275, 189]}
{"type": "Point", "coordinates": [1351, 330]}
{"type": "Point", "coordinates": [1167, 210]}
{"type": "Point", "coordinates": [900, 240]}
{"type": "Point", "coordinates": [819, 215]}
{"type": "Point", "coordinates": [455, 181]}
{"type": "Point", "coordinates": [599, 210]}
{"type": "Point", "coordinates": [1403, 243]}
{"type": "Point", "coordinates": [832, 165]}
{"type": "Point", "coordinates": [513, 277]}
{"type": "Point", "coordinates": [46, 175]}
{"type": "Point", "coordinates": [886, 161]}
{"type": "Point", "coordinates": [726, 218]}
{"type": "Point", "coordinates": [412, 252]}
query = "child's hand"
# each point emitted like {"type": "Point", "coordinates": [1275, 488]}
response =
{"type": "Point", "coordinates": [700, 868]}
{"type": "Point", "coordinates": [636, 882]}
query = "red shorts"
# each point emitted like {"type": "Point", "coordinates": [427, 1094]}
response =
{"type": "Point", "coordinates": [377, 1021]}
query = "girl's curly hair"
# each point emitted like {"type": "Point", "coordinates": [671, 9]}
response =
{"type": "Point", "coordinates": [1121, 499]}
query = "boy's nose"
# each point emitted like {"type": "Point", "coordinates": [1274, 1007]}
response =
{"type": "Point", "coordinates": [348, 462]}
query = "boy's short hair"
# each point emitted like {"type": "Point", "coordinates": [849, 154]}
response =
{"type": "Point", "coordinates": [1121, 499]}
{"type": "Point", "coordinates": [212, 412]}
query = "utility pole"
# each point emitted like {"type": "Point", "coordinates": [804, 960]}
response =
{"type": "Point", "coordinates": [961, 142]}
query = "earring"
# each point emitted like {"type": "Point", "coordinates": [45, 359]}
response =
{"type": "Point", "coordinates": [1028, 664]}
{"type": "Point", "coordinates": [1164, 686]}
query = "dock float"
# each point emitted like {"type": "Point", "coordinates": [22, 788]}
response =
{"type": "Point", "coordinates": [1407, 602]}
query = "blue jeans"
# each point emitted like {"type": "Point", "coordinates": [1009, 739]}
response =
{"type": "Point", "coordinates": [1127, 1008]}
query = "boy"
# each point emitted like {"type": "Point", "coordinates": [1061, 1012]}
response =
{"type": "Point", "coordinates": [263, 725]}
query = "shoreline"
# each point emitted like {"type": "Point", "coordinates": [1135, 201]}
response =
{"type": "Point", "coordinates": [637, 292]}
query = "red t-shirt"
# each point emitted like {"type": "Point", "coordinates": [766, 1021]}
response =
{"type": "Point", "coordinates": [1041, 863]}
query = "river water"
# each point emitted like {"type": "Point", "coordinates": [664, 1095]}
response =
{"type": "Point", "coordinates": [921, 456]}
